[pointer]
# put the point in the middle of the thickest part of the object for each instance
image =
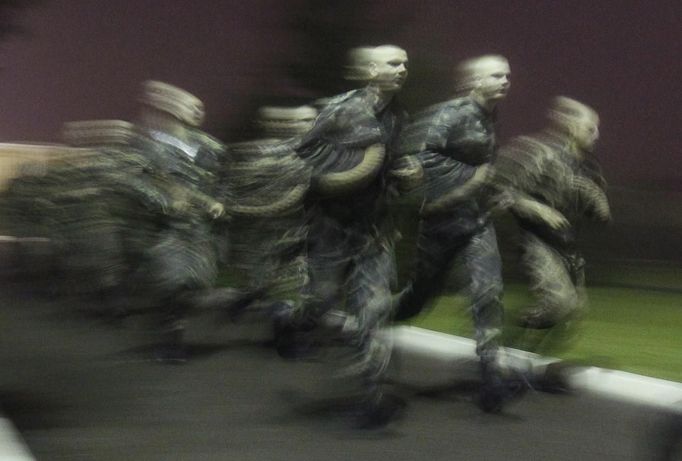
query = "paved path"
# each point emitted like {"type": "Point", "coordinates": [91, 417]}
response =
{"type": "Point", "coordinates": [80, 390]}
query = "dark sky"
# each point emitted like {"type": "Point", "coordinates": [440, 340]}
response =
{"type": "Point", "coordinates": [85, 59]}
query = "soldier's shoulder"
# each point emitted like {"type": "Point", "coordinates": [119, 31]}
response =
{"type": "Point", "coordinates": [540, 146]}
{"type": "Point", "coordinates": [461, 104]}
{"type": "Point", "coordinates": [338, 101]}
{"type": "Point", "coordinates": [448, 110]}
{"type": "Point", "coordinates": [526, 141]}
{"type": "Point", "coordinates": [465, 107]}
{"type": "Point", "coordinates": [208, 142]}
{"type": "Point", "coordinates": [347, 112]}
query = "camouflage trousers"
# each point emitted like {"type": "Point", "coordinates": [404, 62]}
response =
{"type": "Point", "coordinates": [439, 247]}
{"type": "Point", "coordinates": [348, 297]}
{"type": "Point", "coordinates": [177, 266]}
{"type": "Point", "coordinates": [556, 275]}
{"type": "Point", "coordinates": [267, 255]}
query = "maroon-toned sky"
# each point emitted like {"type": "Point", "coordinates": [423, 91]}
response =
{"type": "Point", "coordinates": [85, 59]}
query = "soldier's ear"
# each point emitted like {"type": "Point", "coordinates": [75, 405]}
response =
{"type": "Point", "coordinates": [372, 70]}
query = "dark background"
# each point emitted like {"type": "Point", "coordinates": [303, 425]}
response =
{"type": "Point", "coordinates": [83, 59]}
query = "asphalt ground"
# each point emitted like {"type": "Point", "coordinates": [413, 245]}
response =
{"type": "Point", "coordinates": [79, 388]}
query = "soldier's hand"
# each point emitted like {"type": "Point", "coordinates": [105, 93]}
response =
{"type": "Point", "coordinates": [540, 212]}
{"type": "Point", "coordinates": [408, 172]}
{"type": "Point", "coordinates": [502, 201]}
{"type": "Point", "coordinates": [484, 174]}
{"type": "Point", "coordinates": [553, 218]}
{"type": "Point", "coordinates": [216, 210]}
{"type": "Point", "coordinates": [603, 211]}
{"type": "Point", "coordinates": [179, 206]}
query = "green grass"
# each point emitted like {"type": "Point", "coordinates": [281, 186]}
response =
{"type": "Point", "coordinates": [634, 330]}
{"type": "Point", "coordinates": [631, 329]}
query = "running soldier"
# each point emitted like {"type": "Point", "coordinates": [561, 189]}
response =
{"type": "Point", "coordinates": [264, 185]}
{"type": "Point", "coordinates": [351, 150]}
{"type": "Point", "coordinates": [183, 260]}
{"type": "Point", "coordinates": [117, 220]}
{"type": "Point", "coordinates": [455, 143]}
{"type": "Point", "coordinates": [555, 181]}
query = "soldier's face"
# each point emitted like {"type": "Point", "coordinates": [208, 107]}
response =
{"type": "Point", "coordinates": [196, 113]}
{"type": "Point", "coordinates": [493, 79]}
{"type": "Point", "coordinates": [389, 68]}
{"type": "Point", "coordinates": [587, 131]}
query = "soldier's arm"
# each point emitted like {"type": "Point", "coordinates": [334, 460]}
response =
{"type": "Point", "coordinates": [536, 211]}
{"type": "Point", "coordinates": [593, 197]}
{"type": "Point", "coordinates": [333, 145]}
{"type": "Point", "coordinates": [203, 201]}
{"type": "Point", "coordinates": [407, 173]}
{"type": "Point", "coordinates": [446, 129]}
{"type": "Point", "coordinates": [466, 190]}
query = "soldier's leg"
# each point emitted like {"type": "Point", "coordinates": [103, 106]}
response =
{"type": "Point", "coordinates": [171, 313]}
{"type": "Point", "coordinates": [436, 252]}
{"type": "Point", "coordinates": [369, 304]}
{"type": "Point", "coordinates": [483, 262]}
{"type": "Point", "coordinates": [184, 264]}
{"type": "Point", "coordinates": [322, 296]}
{"type": "Point", "coordinates": [576, 263]}
{"type": "Point", "coordinates": [551, 282]}
{"type": "Point", "coordinates": [285, 271]}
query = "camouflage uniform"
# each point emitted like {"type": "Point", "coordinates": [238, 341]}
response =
{"type": "Point", "coordinates": [548, 169]}
{"type": "Point", "coordinates": [28, 183]}
{"type": "Point", "coordinates": [117, 219]}
{"type": "Point", "coordinates": [266, 184]}
{"type": "Point", "coordinates": [350, 242]}
{"type": "Point", "coordinates": [183, 259]}
{"type": "Point", "coordinates": [452, 140]}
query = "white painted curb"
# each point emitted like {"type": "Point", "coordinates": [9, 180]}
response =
{"type": "Point", "coordinates": [428, 357]}
{"type": "Point", "coordinates": [12, 447]}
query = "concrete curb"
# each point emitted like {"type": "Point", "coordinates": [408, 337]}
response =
{"type": "Point", "coordinates": [12, 446]}
{"type": "Point", "coordinates": [425, 357]}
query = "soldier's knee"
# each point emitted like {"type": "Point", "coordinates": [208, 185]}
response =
{"type": "Point", "coordinates": [569, 300]}
{"type": "Point", "coordinates": [324, 292]}
{"type": "Point", "coordinates": [487, 292]}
